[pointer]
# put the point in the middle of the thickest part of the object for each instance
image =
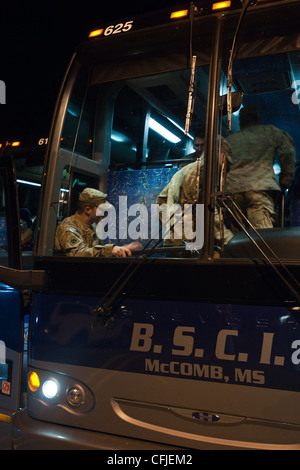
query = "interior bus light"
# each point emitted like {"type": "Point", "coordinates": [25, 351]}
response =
{"type": "Point", "coordinates": [178, 14]}
{"type": "Point", "coordinates": [155, 126]}
{"type": "Point", "coordinates": [30, 183]}
{"type": "Point", "coordinates": [119, 137]}
{"type": "Point", "coordinates": [221, 5]}
{"type": "Point", "coordinates": [96, 32]}
{"type": "Point", "coordinates": [179, 127]}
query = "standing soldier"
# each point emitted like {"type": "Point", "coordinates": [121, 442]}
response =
{"type": "Point", "coordinates": [251, 178]}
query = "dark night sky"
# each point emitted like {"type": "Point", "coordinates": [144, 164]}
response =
{"type": "Point", "coordinates": [37, 40]}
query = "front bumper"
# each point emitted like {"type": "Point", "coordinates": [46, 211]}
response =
{"type": "Point", "coordinates": [31, 434]}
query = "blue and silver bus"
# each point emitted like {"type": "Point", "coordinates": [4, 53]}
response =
{"type": "Point", "coordinates": [193, 346]}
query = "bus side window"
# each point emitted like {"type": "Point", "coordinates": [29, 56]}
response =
{"type": "Point", "coordinates": [26, 226]}
{"type": "Point", "coordinates": [77, 133]}
{"type": "Point", "coordinates": [29, 170]}
{"type": "Point", "coordinates": [3, 230]}
{"type": "Point", "coordinates": [3, 226]}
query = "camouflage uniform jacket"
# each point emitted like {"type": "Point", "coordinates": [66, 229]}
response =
{"type": "Point", "coordinates": [253, 152]}
{"type": "Point", "coordinates": [182, 189]}
{"type": "Point", "coordinates": [74, 238]}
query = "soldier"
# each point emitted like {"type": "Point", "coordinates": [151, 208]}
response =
{"type": "Point", "coordinates": [251, 178]}
{"type": "Point", "coordinates": [75, 235]}
{"type": "Point", "coordinates": [198, 145]}
{"type": "Point", "coordinates": [184, 188]}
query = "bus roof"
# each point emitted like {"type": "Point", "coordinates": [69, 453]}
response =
{"type": "Point", "coordinates": [174, 13]}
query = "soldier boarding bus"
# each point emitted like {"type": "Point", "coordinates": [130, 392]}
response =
{"type": "Point", "coordinates": [163, 289]}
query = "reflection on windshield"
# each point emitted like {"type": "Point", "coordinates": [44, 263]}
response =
{"type": "Point", "coordinates": [264, 143]}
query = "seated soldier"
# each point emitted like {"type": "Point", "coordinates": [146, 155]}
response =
{"type": "Point", "coordinates": [75, 235]}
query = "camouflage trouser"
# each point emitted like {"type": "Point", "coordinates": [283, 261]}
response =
{"type": "Point", "coordinates": [258, 207]}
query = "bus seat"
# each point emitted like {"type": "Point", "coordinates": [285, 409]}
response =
{"type": "Point", "coordinates": [140, 187]}
{"type": "Point", "coordinates": [284, 242]}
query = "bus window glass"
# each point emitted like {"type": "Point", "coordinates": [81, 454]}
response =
{"type": "Point", "coordinates": [73, 183]}
{"type": "Point", "coordinates": [77, 134]}
{"type": "Point", "coordinates": [264, 145]}
{"type": "Point", "coordinates": [148, 139]}
{"type": "Point", "coordinates": [140, 139]}
{"type": "Point", "coordinates": [3, 226]}
{"type": "Point", "coordinates": [29, 175]}
{"type": "Point", "coordinates": [28, 192]}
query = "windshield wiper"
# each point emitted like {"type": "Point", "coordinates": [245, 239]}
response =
{"type": "Point", "coordinates": [230, 62]}
{"type": "Point", "coordinates": [192, 61]}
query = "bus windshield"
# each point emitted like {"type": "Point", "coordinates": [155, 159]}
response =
{"type": "Point", "coordinates": [136, 128]}
{"type": "Point", "coordinates": [128, 137]}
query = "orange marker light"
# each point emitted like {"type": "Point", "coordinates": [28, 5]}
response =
{"type": "Point", "coordinates": [33, 381]}
{"type": "Point", "coordinates": [96, 32]}
{"type": "Point", "coordinates": [178, 14]}
{"type": "Point", "coordinates": [221, 5]}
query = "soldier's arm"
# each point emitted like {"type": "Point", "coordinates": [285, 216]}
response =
{"type": "Point", "coordinates": [73, 244]}
{"type": "Point", "coordinates": [287, 157]}
{"type": "Point", "coordinates": [161, 200]}
{"type": "Point", "coordinates": [162, 197]}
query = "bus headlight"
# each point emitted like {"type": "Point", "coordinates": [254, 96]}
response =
{"type": "Point", "coordinates": [50, 388]}
{"type": "Point", "coordinates": [75, 396]}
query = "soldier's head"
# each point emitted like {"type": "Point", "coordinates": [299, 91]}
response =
{"type": "Point", "coordinates": [248, 117]}
{"type": "Point", "coordinates": [199, 143]}
{"type": "Point", "coordinates": [92, 204]}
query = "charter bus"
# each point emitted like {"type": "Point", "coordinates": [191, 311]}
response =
{"type": "Point", "coordinates": [192, 345]}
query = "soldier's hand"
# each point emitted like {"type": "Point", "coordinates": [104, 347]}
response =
{"type": "Point", "coordinates": [285, 180]}
{"type": "Point", "coordinates": [133, 246]}
{"type": "Point", "coordinates": [121, 251]}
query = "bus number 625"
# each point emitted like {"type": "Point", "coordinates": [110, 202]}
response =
{"type": "Point", "coordinates": [118, 28]}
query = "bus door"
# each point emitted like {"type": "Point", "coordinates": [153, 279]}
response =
{"type": "Point", "coordinates": [20, 181]}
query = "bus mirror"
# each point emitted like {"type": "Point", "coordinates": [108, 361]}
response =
{"type": "Point", "coordinates": [23, 279]}
{"type": "Point", "coordinates": [236, 101]}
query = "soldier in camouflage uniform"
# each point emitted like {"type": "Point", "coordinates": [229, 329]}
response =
{"type": "Point", "coordinates": [198, 145]}
{"type": "Point", "coordinates": [75, 235]}
{"type": "Point", "coordinates": [184, 188]}
{"type": "Point", "coordinates": [251, 178]}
